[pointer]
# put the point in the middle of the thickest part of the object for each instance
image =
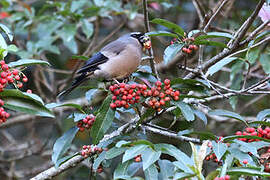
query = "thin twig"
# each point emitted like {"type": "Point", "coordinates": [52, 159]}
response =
{"type": "Point", "coordinates": [213, 17]}
{"type": "Point", "coordinates": [147, 29]}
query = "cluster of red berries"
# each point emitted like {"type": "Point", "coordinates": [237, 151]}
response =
{"type": "Point", "coordinates": [138, 158]}
{"type": "Point", "coordinates": [3, 114]}
{"type": "Point", "coordinates": [227, 177]}
{"type": "Point", "coordinates": [10, 76]}
{"type": "Point", "coordinates": [87, 150]}
{"type": "Point", "coordinates": [260, 132]}
{"type": "Point", "coordinates": [189, 49]}
{"type": "Point", "coordinates": [86, 123]}
{"type": "Point", "coordinates": [159, 96]}
{"type": "Point", "coordinates": [125, 95]}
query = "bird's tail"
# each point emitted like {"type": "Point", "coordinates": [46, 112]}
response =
{"type": "Point", "coordinates": [78, 80]}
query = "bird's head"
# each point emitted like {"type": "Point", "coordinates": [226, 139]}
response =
{"type": "Point", "coordinates": [143, 39]}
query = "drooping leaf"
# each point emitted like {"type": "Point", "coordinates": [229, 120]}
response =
{"type": "Point", "coordinates": [54, 105]}
{"type": "Point", "coordinates": [214, 35]}
{"type": "Point", "coordinates": [7, 31]}
{"type": "Point", "coordinates": [151, 173]}
{"type": "Point", "coordinates": [216, 67]}
{"type": "Point", "coordinates": [27, 62]}
{"type": "Point", "coordinates": [182, 158]}
{"type": "Point", "coordinates": [133, 152]}
{"type": "Point", "coordinates": [174, 27]}
{"type": "Point", "coordinates": [63, 143]}
{"type": "Point", "coordinates": [99, 160]}
{"type": "Point", "coordinates": [219, 149]}
{"type": "Point", "coordinates": [186, 110]}
{"type": "Point", "coordinates": [247, 171]}
{"type": "Point", "coordinates": [161, 33]}
{"type": "Point", "coordinates": [200, 115]}
{"type": "Point", "coordinates": [261, 115]}
{"type": "Point", "coordinates": [149, 157]}
{"type": "Point", "coordinates": [103, 121]}
{"type": "Point", "coordinates": [264, 59]}
{"type": "Point", "coordinates": [171, 51]}
{"type": "Point", "coordinates": [166, 168]}
{"type": "Point", "coordinates": [121, 172]}
{"type": "Point", "coordinates": [88, 28]}
{"type": "Point", "coordinates": [114, 152]}
{"type": "Point", "coordinates": [221, 112]}
{"type": "Point", "coordinates": [24, 102]}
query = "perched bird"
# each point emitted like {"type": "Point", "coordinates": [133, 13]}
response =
{"type": "Point", "coordinates": [116, 61]}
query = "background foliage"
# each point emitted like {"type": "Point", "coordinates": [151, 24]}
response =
{"type": "Point", "coordinates": [50, 40]}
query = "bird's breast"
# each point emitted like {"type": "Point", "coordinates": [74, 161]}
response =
{"type": "Point", "coordinates": [121, 65]}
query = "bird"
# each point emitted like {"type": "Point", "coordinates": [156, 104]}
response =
{"type": "Point", "coordinates": [115, 61]}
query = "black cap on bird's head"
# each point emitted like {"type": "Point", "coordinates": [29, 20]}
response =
{"type": "Point", "coordinates": [142, 38]}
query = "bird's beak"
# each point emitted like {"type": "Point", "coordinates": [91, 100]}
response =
{"type": "Point", "coordinates": [147, 44]}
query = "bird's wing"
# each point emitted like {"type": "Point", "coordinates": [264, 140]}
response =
{"type": "Point", "coordinates": [93, 62]}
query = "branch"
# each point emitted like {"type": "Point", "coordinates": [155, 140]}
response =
{"type": "Point", "coordinates": [147, 29]}
{"type": "Point", "coordinates": [170, 134]}
{"type": "Point", "coordinates": [213, 17]}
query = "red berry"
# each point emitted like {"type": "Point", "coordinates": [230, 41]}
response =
{"type": "Point", "coordinates": [176, 93]}
{"type": "Point", "coordinates": [113, 105]}
{"type": "Point", "coordinates": [2, 102]}
{"type": "Point", "coordinates": [239, 133]}
{"type": "Point", "coordinates": [2, 62]}
{"type": "Point", "coordinates": [227, 177]}
{"type": "Point", "coordinates": [167, 81]}
{"type": "Point", "coordinates": [29, 91]}
{"type": "Point", "coordinates": [161, 95]}
{"type": "Point", "coordinates": [188, 51]}
{"type": "Point", "coordinates": [5, 67]}
{"type": "Point", "coordinates": [158, 83]}
{"type": "Point", "coordinates": [19, 85]}
{"type": "Point", "coordinates": [4, 74]}
{"type": "Point", "coordinates": [245, 161]}
{"type": "Point", "coordinates": [111, 88]}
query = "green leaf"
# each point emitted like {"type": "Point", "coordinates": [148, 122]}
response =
{"type": "Point", "coordinates": [54, 105]}
{"type": "Point", "coordinates": [12, 48]}
{"type": "Point", "coordinates": [247, 171]}
{"type": "Point", "coordinates": [205, 135]}
{"type": "Point", "coordinates": [87, 28]}
{"type": "Point", "coordinates": [193, 32]}
{"type": "Point", "coordinates": [85, 58]}
{"type": "Point", "coordinates": [240, 155]}
{"type": "Point", "coordinates": [103, 121]}
{"type": "Point", "coordinates": [221, 112]}
{"type": "Point", "coordinates": [200, 115]}
{"type": "Point", "coordinates": [3, 46]}
{"type": "Point", "coordinates": [121, 172]}
{"type": "Point", "coordinates": [161, 33]}
{"type": "Point", "coordinates": [6, 30]}
{"type": "Point", "coordinates": [210, 43]}
{"type": "Point", "coordinates": [247, 147]}
{"type": "Point", "coordinates": [174, 27]}
{"type": "Point", "coordinates": [260, 122]}
{"type": "Point", "coordinates": [65, 159]}
{"type": "Point", "coordinates": [133, 152]}
{"type": "Point", "coordinates": [99, 160]}
{"type": "Point", "coordinates": [252, 55]}
{"type": "Point", "coordinates": [182, 175]}
{"type": "Point", "coordinates": [114, 152]}
{"type": "Point", "coordinates": [219, 149]}
{"type": "Point", "coordinates": [186, 110]}
{"type": "Point", "coordinates": [122, 143]}
{"type": "Point", "coordinates": [166, 168]}
{"type": "Point", "coordinates": [174, 152]}
{"type": "Point", "coordinates": [151, 173]}
{"type": "Point", "coordinates": [216, 67]}
{"type": "Point", "coordinates": [229, 138]}
{"type": "Point", "coordinates": [171, 51]}
{"type": "Point", "coordinates": [261, 115]}
{"type": "Point", "coordinates": [214, 35]}
{"type": "Point", "coordinates": [63, 143]}
{"type": "Point", "coordinates": [264, 59]}
{"type": "Point", "coordinates": [90, 95]}
{"type": "Point", "coordinates": [149, 157]}
{"type": "Point", "coordinates": [181, 165]}
{"type": "Point", "coordinates": [24, 102]}
{"type": "Point", "coordinates": [27, 62]}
